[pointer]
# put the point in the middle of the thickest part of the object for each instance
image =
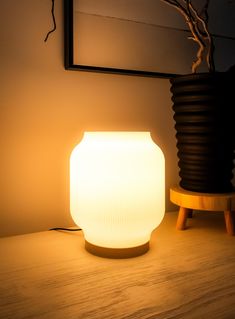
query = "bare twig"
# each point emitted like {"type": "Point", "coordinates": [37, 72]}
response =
{"type": "Point", "coordinates": [54, 22]}
{"type": "Point", "coordinates": [198, 25]}
{"type": "Point", "coordinates": [205, 34]}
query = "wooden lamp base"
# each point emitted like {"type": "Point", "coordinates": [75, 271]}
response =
{"type": "Point", "coordinates": [188, 201]}
{"type": "Point", "coordinates": [117, 253]}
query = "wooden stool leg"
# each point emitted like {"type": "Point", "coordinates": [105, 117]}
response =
{"type": "Point", "coordinates": [228, 216]}
{"type": "Point", "coordinates": [182, 218]}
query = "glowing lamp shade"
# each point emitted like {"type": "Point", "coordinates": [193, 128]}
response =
{"type": "Point", "coordinates": [117, 191]}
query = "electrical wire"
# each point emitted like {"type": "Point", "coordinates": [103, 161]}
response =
{"type": "Point", "coordinates": [65, 229]}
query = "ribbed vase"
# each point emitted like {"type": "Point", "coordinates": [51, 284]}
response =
{"type": "Point", "coordinates": [204, 123]}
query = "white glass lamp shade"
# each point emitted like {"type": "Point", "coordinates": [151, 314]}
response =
{"type": "Point", "coordinates": [117, 191]}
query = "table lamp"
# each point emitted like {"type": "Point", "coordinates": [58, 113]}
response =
{"type": "Point", "coordinates": [117, 191]}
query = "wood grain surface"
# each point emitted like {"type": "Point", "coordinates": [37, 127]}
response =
{"type": "Point", "coordinates": [202, 201]}
{"type": "Point", "coordinates": [186, 274]}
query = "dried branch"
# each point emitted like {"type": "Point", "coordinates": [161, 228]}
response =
{"type": "Point", "coordinates": [53, 19]}
{"type": "Point", "coordinates": [206, 34]}
{"type": "Point", "coordinates": [204, 11]}
{"type": "Point", "coordinates": [198, 25]}
{"type": "Point", "coordinates": [197, 37]}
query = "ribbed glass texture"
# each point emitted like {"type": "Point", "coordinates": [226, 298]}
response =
{"type": "Point", "coordinates": [117, 188]}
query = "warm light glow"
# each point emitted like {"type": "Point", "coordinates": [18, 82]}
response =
{"type": "Point", "coordinates": [117, 188]}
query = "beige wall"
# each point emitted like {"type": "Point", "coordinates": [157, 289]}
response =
{"type": "Point", "coordinates": [45, 109]}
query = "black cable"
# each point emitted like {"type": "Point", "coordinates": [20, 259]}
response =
{"type": "Point", "coordinates": [54, 22]}
{"type": "Point", "coordinates": [66, 229]}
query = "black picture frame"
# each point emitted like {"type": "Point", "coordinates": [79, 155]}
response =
{"type": "Point", "coordinates": [151, 41]}
{"type": "Point", "coordinates": [69, 52]}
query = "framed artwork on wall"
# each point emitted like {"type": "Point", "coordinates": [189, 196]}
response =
{"type": "Point", "coordinates": [133, 37]}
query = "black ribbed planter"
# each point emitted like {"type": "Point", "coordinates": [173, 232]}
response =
{"type": "Point", "coordinates": [204, 117]}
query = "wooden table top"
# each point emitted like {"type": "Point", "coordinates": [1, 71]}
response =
{"type": "Point", "coordinates": [186, 274]}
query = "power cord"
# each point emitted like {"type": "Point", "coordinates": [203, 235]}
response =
{"type": "Point", "coordinates": [66, 229]}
